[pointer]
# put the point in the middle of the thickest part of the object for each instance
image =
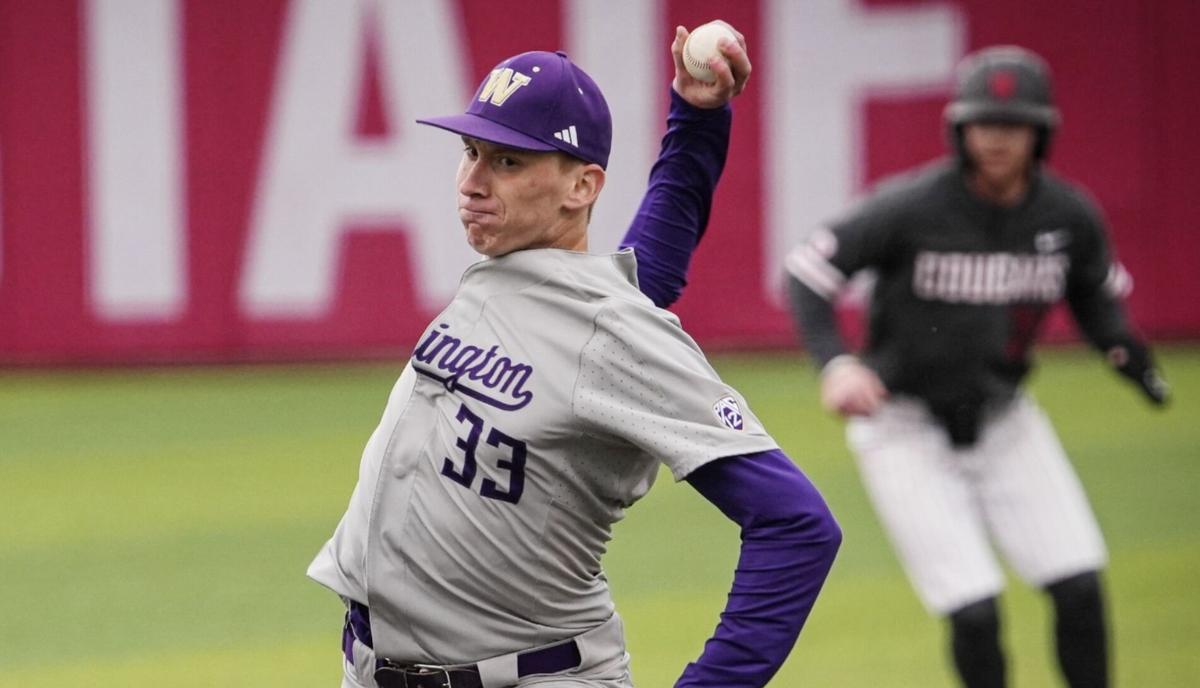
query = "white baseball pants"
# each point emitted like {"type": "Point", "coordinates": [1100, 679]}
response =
{"type": "Point", "coordinates": [943, 507]}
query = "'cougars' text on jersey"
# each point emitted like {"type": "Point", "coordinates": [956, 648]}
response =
{"type": "Point", "coordinates": [990, 278]}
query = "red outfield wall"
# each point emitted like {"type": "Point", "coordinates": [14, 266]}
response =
{"type": "Point", "coordinates": [213, 180]}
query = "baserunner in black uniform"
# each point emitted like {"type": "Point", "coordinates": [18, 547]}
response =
{"type": "Point", "coordinates": [970, 254]}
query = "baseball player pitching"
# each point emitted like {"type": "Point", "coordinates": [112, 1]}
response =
{"type": "Point", "coordinates": [538, 405]}
{"type": "Point", "coordinates": [970, 254]}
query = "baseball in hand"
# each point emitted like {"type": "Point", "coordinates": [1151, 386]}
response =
{"type": "Point", "coordinates": [701, 45]}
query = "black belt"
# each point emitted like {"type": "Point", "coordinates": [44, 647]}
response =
{"type": "Point", "coordinates": [390, 674]}
{"type": "Point", "coordinates": [415, 676]}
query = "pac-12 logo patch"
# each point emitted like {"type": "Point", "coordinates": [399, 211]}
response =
{"type": "Point", "coordinates": [728, 412]}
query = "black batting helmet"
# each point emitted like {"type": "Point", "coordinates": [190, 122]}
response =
{"type": "Point", "coordinates": [1003, 83]}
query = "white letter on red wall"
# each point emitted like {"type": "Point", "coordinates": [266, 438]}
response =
{"type": "Point", "coordinates": [316, 178]}
{"type": "Point", "coordinates": [824, 57]}
{"type": "Point", "coordinates": [138, 267]}
{"type": "Point", "coordinates": [636, 90]}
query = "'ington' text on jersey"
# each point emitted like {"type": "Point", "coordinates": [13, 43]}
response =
{"type": "Point", "coordinates": [500, 380]}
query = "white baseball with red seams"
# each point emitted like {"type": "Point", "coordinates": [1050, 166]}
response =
{"type": "Point", "coordinates": [701, 46]}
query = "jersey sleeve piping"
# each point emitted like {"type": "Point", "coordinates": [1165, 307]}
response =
{"type": "Point", "coordinates": [1118, 284]}
{"type": "Point", "coordinates": [579, 367]}
{"type": "Point", "coordinates": [806, 264]}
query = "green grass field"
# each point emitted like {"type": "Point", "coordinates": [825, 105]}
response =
{"type": "Point", "coordinates": [157, 524]}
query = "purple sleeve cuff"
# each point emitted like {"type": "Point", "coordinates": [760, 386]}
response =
{"type": "Point", "coordinates": [674, 212]}
{"type": "Point", "coordinates": [789, 540]}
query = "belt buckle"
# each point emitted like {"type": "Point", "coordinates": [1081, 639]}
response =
{"type": "Point", "coordinates": [389, 674]}
{"type": "Point", "coordinates": [427, 671]}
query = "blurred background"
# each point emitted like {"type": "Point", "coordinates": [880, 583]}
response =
{"type": "Point", "coordinates": [188, 184]}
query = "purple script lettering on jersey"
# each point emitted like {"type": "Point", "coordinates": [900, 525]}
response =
{"type": "Point", "coordinates": [503, 378]}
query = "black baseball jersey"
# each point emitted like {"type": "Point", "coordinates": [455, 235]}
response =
{"type": "Point", "coordinates": [962, 285]}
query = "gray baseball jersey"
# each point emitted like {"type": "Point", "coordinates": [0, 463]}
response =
{"type": "Point", "coordinates": [535, 409]}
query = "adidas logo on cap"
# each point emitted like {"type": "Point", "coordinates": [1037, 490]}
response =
{"type": "Point", "coordinates": [567, 135]}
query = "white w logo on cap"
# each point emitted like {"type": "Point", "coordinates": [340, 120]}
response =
{"type": "Point", "coordinates": [501, 84]}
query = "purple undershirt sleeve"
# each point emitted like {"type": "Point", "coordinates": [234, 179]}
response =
{"type": "Point", "coordinates": [674, 212]}
{"type": "Point", "coordinates": [789, 540]}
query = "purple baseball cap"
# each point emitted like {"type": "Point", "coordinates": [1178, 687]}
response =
{"type": "Point", "coordinates": [538, 101]}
